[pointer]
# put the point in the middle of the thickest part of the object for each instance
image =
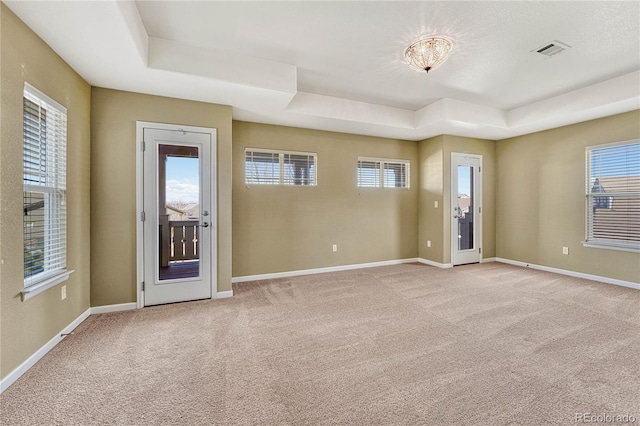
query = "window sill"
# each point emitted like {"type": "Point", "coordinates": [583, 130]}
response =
{"type": "Point", "coordinates": [593, 244]}
{"type": "Point", "coordinates": [36, 289]}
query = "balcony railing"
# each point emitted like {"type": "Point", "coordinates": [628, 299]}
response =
{"type": "Point", "coordinates": [465, 232]}
{"type": "Point", "coordinates": [179, 240]}
{"type": "Point", "coordinates": [184, 240]}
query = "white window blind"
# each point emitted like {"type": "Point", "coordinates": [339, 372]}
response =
{"type": "Point", "coordinates": [44, 186]}
{"type": "Point", "coordinates": [369, 173]}
{"type": "Point", "coordinates": [269, 167]}
{"type": "Point", "coordinates": [613, 195]}
{"type": "Point", "coordinates": [381, 173]}
{"type": "Point", "coordinates": [262, 167]}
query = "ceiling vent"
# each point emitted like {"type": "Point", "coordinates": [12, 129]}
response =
{"type": "Point", "coordinates": [552, 48]}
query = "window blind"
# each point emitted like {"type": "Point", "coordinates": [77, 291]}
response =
{"type": "Point", "coordinates": [396, 175]}
{"type": "Point", "coordinates": [369, 173]}
{"type": "Point", "coordinates": [380, 173]}
{"type": "Point", "coordinates": [299, 169]}
{"type": "Point", "coordinates": [280, 167]}
{"type": "Point", "coordinates": [262, 168]}
{"type": "Point", "coordinates": [613, 195]}
{"type": "Point", "coordinates": [44, 187]}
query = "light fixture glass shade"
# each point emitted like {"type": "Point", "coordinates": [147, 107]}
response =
{"type": "Point", "coordinates": [428, 53]}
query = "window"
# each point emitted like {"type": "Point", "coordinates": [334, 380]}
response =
{"type": "Point", "coordinates": [44, 190]}
{"type": "Point", "coordinates": [266, 167]}
{"type": "Point", "coordinates": [379, 173]}
{"type": "Point", "coordinates": [613, 196]}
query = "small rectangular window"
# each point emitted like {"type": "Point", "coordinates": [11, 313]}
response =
{"type": "Point", "coordinates": [613, 195]}
{"type": "Point", "coordinates": [267, 167]}
{"type": "Point", "coordinates": [44, 187]}
{"type": "Point", "coordinates": [382, 173]}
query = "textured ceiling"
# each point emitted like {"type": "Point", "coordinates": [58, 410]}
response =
{"type": "Point", "coordinates": [354, 50]}
{"type": "Point", "coordinates": [339, 66]}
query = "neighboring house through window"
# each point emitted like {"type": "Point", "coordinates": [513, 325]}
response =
{"type": "Point", "coordinates": [613, 196]}
{"type": "Point", "coordinates": [44, 190]}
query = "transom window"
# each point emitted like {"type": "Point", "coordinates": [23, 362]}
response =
{"type": "Point", "coordinates": [268, 167]}
{"type": "Point", "coordinates": [44, 187]}
{"type": "Point", "coordinates": [613, 196]}
{"type": "Point", "coordinates": [383, 173]}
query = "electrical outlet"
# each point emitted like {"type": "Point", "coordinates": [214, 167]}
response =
{"type": "Point", "coordinates": [63, 292]}
{"type": "Point", "coordinates": [565, 250]}
{"type": "Point", "coordinates": [435, 204]}
{"type": "Point", "coordinates": [335, 247]}
{"type": "Point", "coordinates": [428, 243]}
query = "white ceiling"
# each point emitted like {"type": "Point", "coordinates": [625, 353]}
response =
{"type": "Point", "coordinates": [338, 65]}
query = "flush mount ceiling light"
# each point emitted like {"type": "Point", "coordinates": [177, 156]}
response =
{"type": "Point", "coordinates": [428, 53]}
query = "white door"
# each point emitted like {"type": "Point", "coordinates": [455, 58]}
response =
{"type": "Point", "coordinates": [466, 208]}
{"type": "Point", "coordinates": [178, 215]}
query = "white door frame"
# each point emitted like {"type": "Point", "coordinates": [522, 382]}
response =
{"type": "Point", "coordinates": [477, 204]}
{"type": "Point", "coordinates": [140, 126]}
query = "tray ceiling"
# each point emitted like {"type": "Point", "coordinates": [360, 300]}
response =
{"type": "Point", "coordinates": [338, 65]}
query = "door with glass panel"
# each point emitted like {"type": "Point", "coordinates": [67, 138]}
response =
{"type": "Point", "coordinates": [466, 208]}
{"type": "Point", "coordinates": [178, 216]}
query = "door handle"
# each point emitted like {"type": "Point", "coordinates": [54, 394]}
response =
{"type": "Point", "coordinates": [204, 225]}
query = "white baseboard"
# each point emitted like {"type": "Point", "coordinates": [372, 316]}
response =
{"type": "Point", "coordinates": [320, 270]}
{"type": "Point", "coordinates": [436, 264]}
{"type": "Point", "coordinates": [450, 265]}
{"type": "Point", "coordinates": [599, 278]}
{"type": "Point", "coordinates": [113, 308]}
{"type": "Point", "coordinates": [30, 362]}
{"type": "Point", "coordinates": [223, 294]}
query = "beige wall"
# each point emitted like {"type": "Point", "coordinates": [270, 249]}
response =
{"type": "Point", "coordinates": [27, 326]}
{"type": "Point", "coordinates": [541, 198]}
{"type": "Point", "coordinates": [113, 184]}
{"type": "Point", "coordinates": [435, 185]}
{"type": "Point", "coordinates": [277, 228]}
{"type": "Point", "coordinates": [431, 190]}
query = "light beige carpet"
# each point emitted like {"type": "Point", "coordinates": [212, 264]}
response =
{"type": "Point", "coordinates": [486, 344]}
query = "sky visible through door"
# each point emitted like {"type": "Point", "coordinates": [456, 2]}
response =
{"type": "Point", "coordinates": [464, 179]}
{"type": "Point", "coordinates": [183, 183]}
